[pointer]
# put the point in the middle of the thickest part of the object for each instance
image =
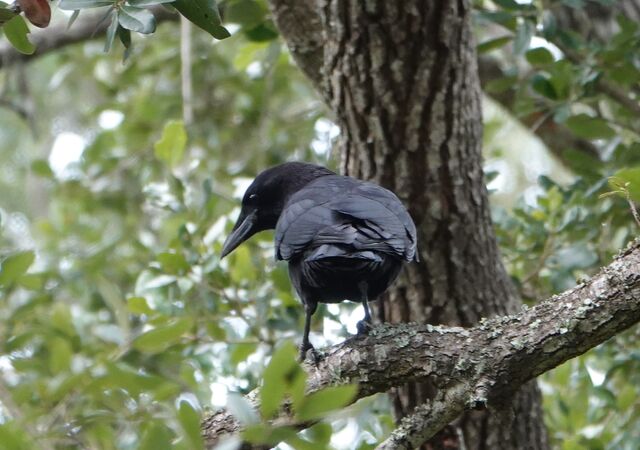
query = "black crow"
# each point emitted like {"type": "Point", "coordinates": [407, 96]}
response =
{"type": "Point", "coordinates": [345, 239]}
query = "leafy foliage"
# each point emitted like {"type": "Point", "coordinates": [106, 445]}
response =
{"type": "Point", "coordinates": [120, 324]}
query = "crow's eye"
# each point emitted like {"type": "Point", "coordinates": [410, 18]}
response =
{"type": "Point", "coordinates": [253, 196]}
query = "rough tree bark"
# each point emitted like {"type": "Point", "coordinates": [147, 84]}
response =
{"type": "Point", "coordinates": [402, 81]}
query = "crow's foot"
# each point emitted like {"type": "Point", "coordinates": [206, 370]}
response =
{"type": "Point", "coordinates": [364, 326]}
{"type": "Point", "coordinates": [304, 349]}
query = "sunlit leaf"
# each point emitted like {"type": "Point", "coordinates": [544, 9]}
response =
{"type": "Point", "coordinates": [162, 337]}
{"type": "Point", "coordinates": [539, 56]}
{"type": "Point", "coordinates": [170, 148]}
{"type": "Point", "coordinates": [60, 354]}
{"type": "Point", "coordinates": [630, 177]}
{"type": "Point", "coordinates": [41, 168]}
{"type": "Point", "coordinates": [14, 437]}
{"type": "Point", "coordinates": [156, 436]}
{"type": "Point", "coordinates": [276, 378]}
{"type": "Point", "coordinates": [16, 31]}
{"type": "Point", "coordinates": [190, 423]}
{"type": "Point", "coordinates": [329, 399]}
{"type": "Point", "coordinates": [267, 435]}
{"type": "Point", "coordinates": [138, 305]}
{"type": "Point", "coordinates": [13, 266]}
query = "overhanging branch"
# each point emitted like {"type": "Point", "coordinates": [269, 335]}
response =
{"type": "Point", "coordinates": [89, 25]}
{"type": "Point", "coordinates": [299, 23]}
{"type": "Point", "coordinates": [479, 365]}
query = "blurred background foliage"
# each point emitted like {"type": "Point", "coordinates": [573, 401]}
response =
{"type": "Point", "coordinates": [119, 324]}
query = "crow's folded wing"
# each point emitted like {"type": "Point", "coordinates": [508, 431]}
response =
{"type": "Point", "coordinates": [347, 213]}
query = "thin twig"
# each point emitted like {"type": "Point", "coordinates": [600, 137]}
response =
{"type": "Point", "coordinates": [185, 71]}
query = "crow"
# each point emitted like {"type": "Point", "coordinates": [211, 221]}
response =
{"type": "Point", "coordinates": [344, 238]}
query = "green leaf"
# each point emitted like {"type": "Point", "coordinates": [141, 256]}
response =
{"type": "Point", "coordinates": [318, 404]}
{"type": "Point", "coordinates": [524, 33]}
{"type": "Point", "coordinates": [137, 19]}
{"type": "Point", "coordinates": [266, 31]}
{"type": "Point", "coordinates": [83, 4]}
{"type": "Point", "coordinates": [31, 281]}
{"type": "Point", "coordinates": [302, 444]}
{"type": "Point", "coordinates": [493, 44]}
{"type": "Point", "coordinates": [41, 168]}
{"type": "Point", "coordinates": [242, 268]}
{"type": "Point", "coordinates": [174, 263]}
{"type": "Point", "coordinates": [625, 73]}
{"type": "Point", "coordinates": [61, 319]}
{"type": "Point", "coordinates": [539, 56]}
{"type": "Point", "coordinates": [162, 337]}
{"type": "Point", "coordinates": [501, 84]}
{"type": "Point", "coordinates": [266, 434]}
{"type": "Point", "coordinates": [241, 351]}
{"type": "Point", "coordinates": [170, 148]}
{"type": "Point", "coordinates": [111, 32]}
{"type": "Point", "coordinates": [60, 354]}
{"type": "Point", "coordinates": [15, 438]}
{"type": "Point", "coordinates": [6, 14]}
{"type": "Point", "coordinates": [204, 14]}
{"type": "Point", "coordinates": [588, 127]}
{"type": "Point", "coordinates": [125, 37]}
{"type": "Point", "coordinates": [16, 31]}
{"type": "Point", "coordinates": [320, 433]}
{"type": "Point", "coordinates": [190, 423]}
{"type": "Point", "coordinates": [156, 436]}
{"type": "Point", "coordinates": [276, 377]}
{"type": "Point", "coordinates": [138, 305]}
{"type": "Point", "coordinates": [562, 78]}
{"type": "Point", "coordinates": [543, 86]}
{"type": "Point", "coordinates": [13, 266]}
{"type": "Point", "coordinates": [503, 18]}
{"type": "Point", "coordinates": [630, 176]}
{"type": "Point", "coordinates": [247, 13]}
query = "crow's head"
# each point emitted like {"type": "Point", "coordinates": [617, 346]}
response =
{"type": "Point", "coordinates": [266, 197]}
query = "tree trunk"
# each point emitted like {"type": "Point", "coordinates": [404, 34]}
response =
{"type": "Point", "coordinates": [402, 80]}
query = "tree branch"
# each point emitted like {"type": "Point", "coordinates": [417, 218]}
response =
{"type": "Point", "coordinates": [476, 366]}
{"type": "Point", "coordinates": [299, 23]}
{"type": "Point", "coordinates": [88, 26]}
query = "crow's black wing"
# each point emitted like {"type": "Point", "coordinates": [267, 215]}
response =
{"type": "Point", "coordinates": [340, 213]}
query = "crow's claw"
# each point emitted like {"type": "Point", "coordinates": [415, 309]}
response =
{"type": "Point", "coordinates": [364, 326]}
{"type": "Point", "coordinates": [315, 356]}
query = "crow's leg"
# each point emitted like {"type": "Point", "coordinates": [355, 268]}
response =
{"type": "Point", "coordinates": [309, 308]}
{"type": "Point", "coordinates": [365, 324]}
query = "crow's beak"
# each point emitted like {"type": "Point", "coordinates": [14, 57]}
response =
{"type": "Point", "coordinates": [242, 231]}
